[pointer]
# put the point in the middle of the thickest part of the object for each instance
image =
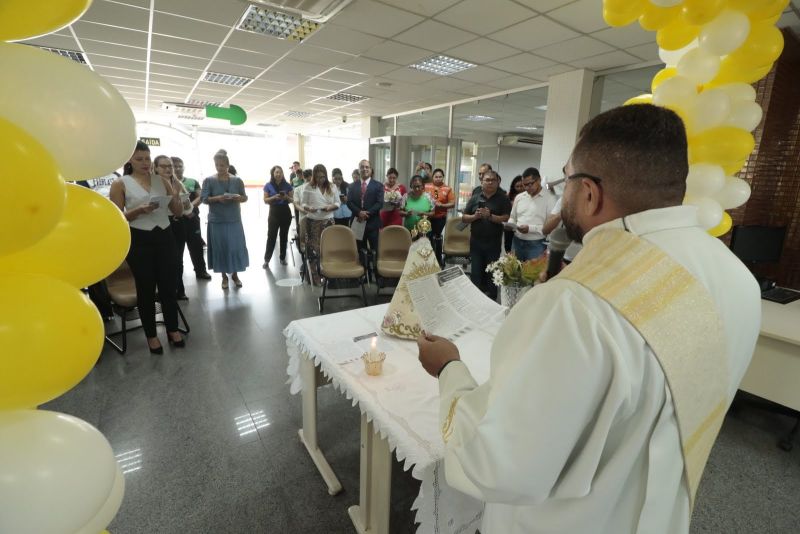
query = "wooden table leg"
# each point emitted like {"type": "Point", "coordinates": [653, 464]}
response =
{"type": "Point", "coordinates": [371, 515]}
{"type": "Point", "coordinates": [308, 434]}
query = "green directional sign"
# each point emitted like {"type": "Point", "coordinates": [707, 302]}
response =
{"type": "Point", "coordinates": [234, 114]}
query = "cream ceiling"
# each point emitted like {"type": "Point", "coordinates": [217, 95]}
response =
{"type": "Point", "coordinates": [157, 50]}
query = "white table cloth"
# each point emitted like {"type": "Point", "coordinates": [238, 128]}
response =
{"type": "Point", "coordinates": [402, 404]}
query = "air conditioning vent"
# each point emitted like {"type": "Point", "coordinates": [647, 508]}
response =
{"type": "Point", "coordinates": [74, 55]}
{"type": "Point", "coordinates": [318, 11]}
{"type": "Point", "coordinates": [518, 140]}
{"type": "Point", "coordinates": [347, 97]}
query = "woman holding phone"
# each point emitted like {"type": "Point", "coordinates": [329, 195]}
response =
{"type": "Point", "coordinates": [278, 196]}
{"type": "Point", "coordinates": [320, 200]}
{"type": "Point", "coordinates": [147, 200]}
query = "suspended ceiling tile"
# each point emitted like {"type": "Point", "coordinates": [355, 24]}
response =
{"type": "Point", "coordinates": [182, 46]}
{"type": "Point", "coordinates": [482, 17]}
{"type": "Point", "coordinates": [480, 74]}
{"type": "Point", "coordinates": [608, 60]}
{"type": "Point", "coordinates": [177, 60]}
{"type": "Point", "coordinates": [584, 15]}
{"type": "Point", "coordinates": [54, 41]}
{"type": "Point", "coordinates": [317, 83]}
{"type": "Point", "coordinates": [298, 68]}
{"type": "Point", "coordinates": [171, 70]}
{"type": "Point", "coordinates": [648, 52]}
{"type": "Point", "coordinates": [543, 6]}
{"type": "Point", "coordinates": [545, 73]}
{"type": "Point", "coordinates": [447, 83]}
{"type": "Point", "coordinates": [534, 33]}
{"type": "Point", "coordinates": [481, 51]}
{"type": "Point", "coordinates": [101, 32]}
{"type": "Point", "coordinates": [433, 35]}
{"type": "Point", "coordinates": [367, 16]}
{"type": "Point", "coordinates": [232, 68]}
{"type": "Point", "coordinates": [227, 13]}
{"type": "Point", "coordinates": [426, 8]}
{"type": "Point", "coordinates": [512, 82]}
{"type": "Point", "coordinates": [115, 76]}
{"type": "Point", "coordinates": [115, 62]}
{"type": "Point", "coordinates": [522, 63]}
{"type": "Point", "coordinates": [320, 56]}
{"type": "Point", "coordinates": [625, 37]}
{"type": "Point", "coordinates": [245, 57]}
{"type": "Point", "coordinates": [369, 66]}
{"type": "Point", "coordinates": [187, 28]}
{"type": "Point", "coordinates": [410, 75]}
{"type": "Point", "coordinates": [342, 39]}
{"type": "Point", "coordinates": [260, 43]}
{"type": "Point", "coordinates": [122, 15]}
{"type": "Point", "coordinates": [114, 50]}
{"type": "Point", "coordinates": [394, 52]}
{"type": "Point", "coordinates": [578, 48]}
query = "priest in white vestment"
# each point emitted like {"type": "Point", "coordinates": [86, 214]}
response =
{"type": "Point", "coordinates": [576, 431]}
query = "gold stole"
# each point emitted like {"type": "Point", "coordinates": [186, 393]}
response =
{"type": "Point", "coordinates": [677, 318]}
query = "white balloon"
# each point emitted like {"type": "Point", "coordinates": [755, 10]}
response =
{"type": "Point", "coordinates": [725, 33]}
{"type": "Point", "coordinates": [709, 212]}
{"type": "Point", "coordinates": [81, 119]}
{"type": "Point", "coordinates": [744, 115]}
{"type": "Point", "coordinates": [704, 180]}
{"type": "Point", "coordinates": [109, 509]}
{"type": "Point", "coordinates": [699, 65]}
{"type": "Point", "coordinates": [677, 91]}
{"type": "Point", "coordinates": [711, 108]}
{"type": "Point", "coordinates": [733, 194]}
{"type": "Point", "coordinates": [665, 3]}
{"type": "Point", "coordinates": [671, 57]}
{"type": "Point", "coordinates": [56, 472]}
{"type": "Point", "coordinates": [738, 91]}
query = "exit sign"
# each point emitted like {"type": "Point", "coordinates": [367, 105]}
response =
{"type": "Point", "coordinates": [151, 141]}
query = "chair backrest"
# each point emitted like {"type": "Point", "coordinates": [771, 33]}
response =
{"type": "Point", "coordinates": [456, 242]}
{"type": "Point", "coordinates": [121, 286]}
{"type": "Point", "coordinates": [393, 244]}
{"type": "Point", "coordinates": [338, 244]}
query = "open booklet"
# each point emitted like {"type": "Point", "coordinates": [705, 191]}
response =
{"type": "Point", "coordinates": [449, 305]}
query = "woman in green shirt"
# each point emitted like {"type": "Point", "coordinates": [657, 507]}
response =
{"type": "Point", "coordinates": [416, 203]}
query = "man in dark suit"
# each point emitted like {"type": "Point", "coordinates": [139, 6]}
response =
{"type": "Point", "coordinates": [365, 200]}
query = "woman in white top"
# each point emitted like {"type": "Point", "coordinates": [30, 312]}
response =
{"type": "Point", "coordinates": [146, 200]}
{"type": "Point", "coordinates": [320, 199]}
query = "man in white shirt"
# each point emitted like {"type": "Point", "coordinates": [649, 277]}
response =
{"type": "Point", "coordinates": [529, 214]}
{"type": "Point", "coordinates": [599, 419]}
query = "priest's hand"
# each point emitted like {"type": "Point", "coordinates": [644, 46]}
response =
{"type": "Point", "coordinates": [435, 352]}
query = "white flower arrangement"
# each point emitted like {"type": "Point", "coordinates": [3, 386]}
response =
{"type": "Point", "coordinates": [509, 271]}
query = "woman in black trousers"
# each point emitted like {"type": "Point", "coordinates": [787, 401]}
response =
{"type": "Point", "coordinates": [146, 200]}
{"type": "Point", "coordinates": [278, 195]}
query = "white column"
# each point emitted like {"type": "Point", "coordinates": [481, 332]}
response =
{"type": "Point", "coordinates": [569, 99]}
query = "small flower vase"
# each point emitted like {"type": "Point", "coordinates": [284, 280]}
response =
{"type": "Point", "coordinates": [510, 295]}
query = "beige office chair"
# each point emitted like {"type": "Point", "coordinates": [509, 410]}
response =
{"type": "Point", "coordinates": [122, 292]}
{"type": "Point", "coordinates": [393, 245]}
{"type": "Point", "coordinates": [338, 260]}
{"type": "Point", "coordinates": [456, 242]}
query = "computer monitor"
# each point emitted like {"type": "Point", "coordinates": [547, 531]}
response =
{"type": "Point", "coordinates": [758, 244]}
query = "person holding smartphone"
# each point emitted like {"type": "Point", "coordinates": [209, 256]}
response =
{"type": "Point", "coordinates": [486, 212]}
{"type": "Point", "coordinates": [278, 195]}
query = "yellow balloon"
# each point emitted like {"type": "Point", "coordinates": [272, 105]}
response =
{"type": "Point", "coordinates": [654, 18]}
{"type": "Point", "coordinates": [21, 19]}
{"type": "Point", "coordinates": [732, 169]}
{"type": "Point", "coordinates": [87, 244]}
{"type": "Point", "coordinates": [33, 191]}
{"type": "Point", "coordinates": [748, 5]}
{"type": "Point", "coordinates": [51, 335]}
{"type": "Point", "coordinates": [641, 99]}
{"type": "Point", "coordinates": [769, 10]}
{"type": "Point", "coordinates": [616, 19]}
{"type": "Point", "coordinates": [676, 34]}
{"type": "Point", "coordinates": [662, 75]}
{"type": "Point", "coordinates": [622, 12]}
{"type": "Point", "coordinates": [723, 227]}
{"type": "Point", "coordinates": [762, 47]}
{"type": "Point", "coordinates": [731, 71]}
{"type": "Point", "coordinates": [721, 146]}
{"type": "Point", "coordinates": [698, 12]}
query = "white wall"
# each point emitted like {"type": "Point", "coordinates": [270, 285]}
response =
{"type": "Point", "coordinates": [514, 160]}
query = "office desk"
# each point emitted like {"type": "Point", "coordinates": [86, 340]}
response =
{"type": "Point", "coordinates": [774, 372]}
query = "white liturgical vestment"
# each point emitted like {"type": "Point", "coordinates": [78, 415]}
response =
{"type": "Point", "coordinates": [575, 430]}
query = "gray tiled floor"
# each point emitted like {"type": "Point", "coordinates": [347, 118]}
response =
{"type": "Point", "coordinates": [210, 431]}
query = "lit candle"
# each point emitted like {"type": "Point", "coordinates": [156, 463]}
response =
{"type": "Point", "coordinates": [373, 347]}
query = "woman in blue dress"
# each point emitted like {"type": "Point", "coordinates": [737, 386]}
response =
{"type": "Point", "coordinates": [226, 247]}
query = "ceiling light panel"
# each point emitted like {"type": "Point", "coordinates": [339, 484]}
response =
{"type": "Point", "coordinates": [347, 97]}
{"type": "Point", "coordinates": [287, 26]}
{"type": "Point", "coordinates": [478, 118]}
{"type": "Point", "coordinates": [75, 56]}
{"type": "Point", "coordinates": [226, 79]}
{"type": "Point", "coordinates": [297, 114]}
{"type": "Point", "coordinates": [442, 65]}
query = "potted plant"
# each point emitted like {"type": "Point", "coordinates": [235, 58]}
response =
{"type": "Point", "coordinates": [515, 277]}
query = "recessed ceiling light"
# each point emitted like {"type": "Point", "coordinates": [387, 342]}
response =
{"type": "Point", "coordinates": [74, 55]}
{"type": "Point", "coordinates": [226, 79]}
{"type": "Point", "coordinates": [347, 97]}
{"type": "Point", "coordinates": [478, 118]}
{"type": "Point", "coordinates": [442, 65]}
{"type": "Point", "coordinates": [528, 128]}
{"type": "Point", "coordinates": [543, 107]}
{"type": "Point", "coordinates": [297, 114]}
{"type": "Point", "coordinates": [276, 24]}
{"type": "Point", "coordinates": [384, 84]}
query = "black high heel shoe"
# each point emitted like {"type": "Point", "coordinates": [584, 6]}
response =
{"type": "Point", "coordinates": [177, 344]}
{"type": "Point", "coordinates": [157, 350]}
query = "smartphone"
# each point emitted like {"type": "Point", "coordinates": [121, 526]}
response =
{"type": "Point", "coordinates": [481, 204]}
